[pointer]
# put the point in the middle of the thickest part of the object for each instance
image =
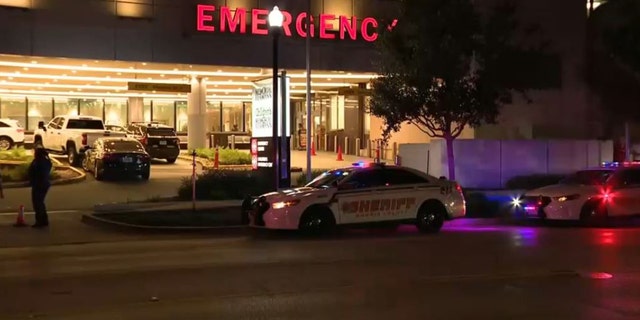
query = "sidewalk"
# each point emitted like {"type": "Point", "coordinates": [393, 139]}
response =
{"type": "Point", "coordinates": [65, 229]}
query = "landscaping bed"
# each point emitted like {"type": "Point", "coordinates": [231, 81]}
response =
{"type": "Point", "coordinates": [204, 218]}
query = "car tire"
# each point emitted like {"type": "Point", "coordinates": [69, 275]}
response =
{"type": "Point", "coordinates": [593, 213]}
{"type": "Point", "coordinates": [73, 156]}
{"type": "Point", "coordinates": [85, 164]}
{"type": "Point", "coordinates": [172, 160]}
{"type": "Point", "coordinates": [431, 217]}
{"type": "Point", "coordinates": [6, 143]}
{"type": "Point", "coordinates": [96, 172]}
{"type": "Point", "coordinates": [316, 221]}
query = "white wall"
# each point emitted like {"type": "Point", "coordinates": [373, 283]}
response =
{"type": "Point", "coordinates": [490, 164]}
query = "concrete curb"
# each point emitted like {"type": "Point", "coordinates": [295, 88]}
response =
{"type": "Point", "coordinates": [81, 177]}
{"type": "Point", "coordinates": [93, 220]}
{"type": "Point", "coordinates": [206, 164]}
{"type": "Point", "coordinates": [146, 206]}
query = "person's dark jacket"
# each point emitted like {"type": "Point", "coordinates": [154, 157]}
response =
{"type": "Point", "coordinates": [40, 172]}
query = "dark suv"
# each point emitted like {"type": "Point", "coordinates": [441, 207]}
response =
{"type": "Point", "coordinates": [160, 141]}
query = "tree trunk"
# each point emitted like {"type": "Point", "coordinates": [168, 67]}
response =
{"type": "Point", "coordinates": [450, 157]}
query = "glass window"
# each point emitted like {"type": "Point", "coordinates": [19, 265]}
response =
{"type": "Point", "coordinates": [329, 178]}
{"type": "Point", "coordinates": [147, 110]}
{"type": "Point", "coordinates": [68, 107]}
{"type": "Point", "coordinates": [39, 110]}
{"type": "Point", "coordinates": [247, 116]}
{"type": "Point", "coordinates": [366, 179]}
{"type": "Point", "coordinates": [400, 177]}
{"type": "Point", "coordinates": [91, 107]}
{"type": "Point", "coordinates": [163, 112]}
{"type": "Point", "coordinates": [85, 124]}
{"type": "Point", "coordinates": [153, 131]}
{"type": "Point", "coordinates": [367, 116]}
{"type": "Point", "coordinates": [181, 116]}
{"type": "Point", "coordinates": [115, 112]}
{"type": "Point", "coordinates": [213, 116]}
{"type": "Point", "coordinates": [115, 145]}
{"type": "Point", "coordinates": [337, 112]}
{"type": "Point", "coordinates": [587, 177]}
{"type": "Point", "coordinates": [14, 108]}
{"type": "Point", "coordinates": [231, 116]}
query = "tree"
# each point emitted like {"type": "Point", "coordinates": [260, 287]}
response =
{"type": "Point", "coordinates": [446, 66]}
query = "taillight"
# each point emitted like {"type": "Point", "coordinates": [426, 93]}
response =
{"type": "Point", "coordinates": [20, 130]}
{"type": "Point", "coordinates": [458, 187]}
{"type": "Point", "coordinates": [108, 156]}
{"type": "Point", "coordinates": [143, 140]}
{"type": "Point", "coordinates": [84, 139]}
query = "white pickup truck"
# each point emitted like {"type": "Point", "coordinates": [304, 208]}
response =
{"type": "Point", "coordinates": [71, 135]}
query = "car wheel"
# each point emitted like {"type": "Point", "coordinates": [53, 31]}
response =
{"type": "Point", "coordinates": [430, 218]}
{"type": "Point", "coordinates": [172, 160]}
{"type": "Point", "coordinates": [5, 143]}
{"type": "Point", "coordinates": [316, 221]}
{"type": "Point", "coordinates": [593, 213]}
{"type": "Point", "coordinates": [73, 156]}
{"type": "Point", "coordinates": [97, 172]}
{"type": "Point", "coordinates": [85, 164]}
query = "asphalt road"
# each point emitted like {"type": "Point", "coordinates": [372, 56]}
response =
{"type": "Point", "coordinates": [164, 181]}
{"type": "Point", "coordinates": [465, 272]}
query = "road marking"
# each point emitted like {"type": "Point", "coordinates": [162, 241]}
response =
{"type": "Point", "coordinates": [31, 212]}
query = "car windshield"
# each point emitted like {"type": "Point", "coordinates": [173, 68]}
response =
{"type": "Point", "coordinates": [329, 178]}
{"type": "Point", "coordinates": [85, 124]}
{"type": "Point", "coordinates": [587, 177]}
{"type": "Point", "coordinates": [123, 146]}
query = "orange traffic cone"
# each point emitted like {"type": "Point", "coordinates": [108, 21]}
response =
{"type": "Point", "coordinates": [313, 148]}
{"type": "Point", "coordinates": [339, 154]}
{"type": "Point", "coordinates": [20, 218]}
{"type": "Point", "coordinates": [216, 159]}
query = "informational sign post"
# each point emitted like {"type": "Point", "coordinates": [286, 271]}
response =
{"type": "Point", "coordinates": [264, 146]}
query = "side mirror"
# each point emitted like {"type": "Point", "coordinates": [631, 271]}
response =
{"type": "Point", "coordinates": [40, 124]}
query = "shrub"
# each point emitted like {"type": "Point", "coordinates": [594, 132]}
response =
{"type": "Point", "coordinates": [302, 179]}
{"type": "Point", "coordinates": [20, 173]}
{"type": "Point", "coordinates": [16, 154]}
{"type": "Point", "coordinates": [225, 185]}
{"type": "Point", "coordinates": [226, 156]}
{"type": "Point", "coordinates": [533, 181]}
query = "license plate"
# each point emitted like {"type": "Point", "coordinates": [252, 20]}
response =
{"type": "Point", "coordinates": [163, 142]}
{"type": "Point", "coordinates": [127, 159]}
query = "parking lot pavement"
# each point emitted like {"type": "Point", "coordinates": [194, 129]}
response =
{"type": "Point", "coordinates": [165, 180]}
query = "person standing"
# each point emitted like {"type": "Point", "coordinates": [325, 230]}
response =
{"type": "Point", "coordinates": [39, 174]}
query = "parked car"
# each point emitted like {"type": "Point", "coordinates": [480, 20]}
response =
{"type": "Point", "coordinates": [359, 195]}
{"type": "Point", "coordinates": [116, 128]}
{"type": "Point", "coordinates": [71, 135]}
{"type": "Point", "coordinates": [11, 134]}
{"type": "Point", "coordinates": [160, 141]}
{"type": "Point", "coordinates": [589, 195]}
{"type": "Point", "coordinates": [111, 157]}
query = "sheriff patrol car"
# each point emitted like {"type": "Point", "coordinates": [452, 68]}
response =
{"type": "Point", "coordinates": [589, 195]}
{"type": "Point", "coordinates": [361, 194]}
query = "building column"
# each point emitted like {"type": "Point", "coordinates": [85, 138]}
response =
{"type": "Point", "coordinates": [197, 114]}
{"type": "Point", "coordinates": [136, 109]}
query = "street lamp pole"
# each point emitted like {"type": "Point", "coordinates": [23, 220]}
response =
{"type": "Point", "coordinates": [275, 25]}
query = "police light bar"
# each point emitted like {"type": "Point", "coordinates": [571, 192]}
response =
{"type": "Point", "coordinates": [362, 164]}
{"type": "Point", "coordinates": [615, 164]}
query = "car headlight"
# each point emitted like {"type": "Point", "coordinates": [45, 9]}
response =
{"type": "Point", "coordinates": [285, 204]}
{"type": "Point", "coordinates": [567, 198]}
